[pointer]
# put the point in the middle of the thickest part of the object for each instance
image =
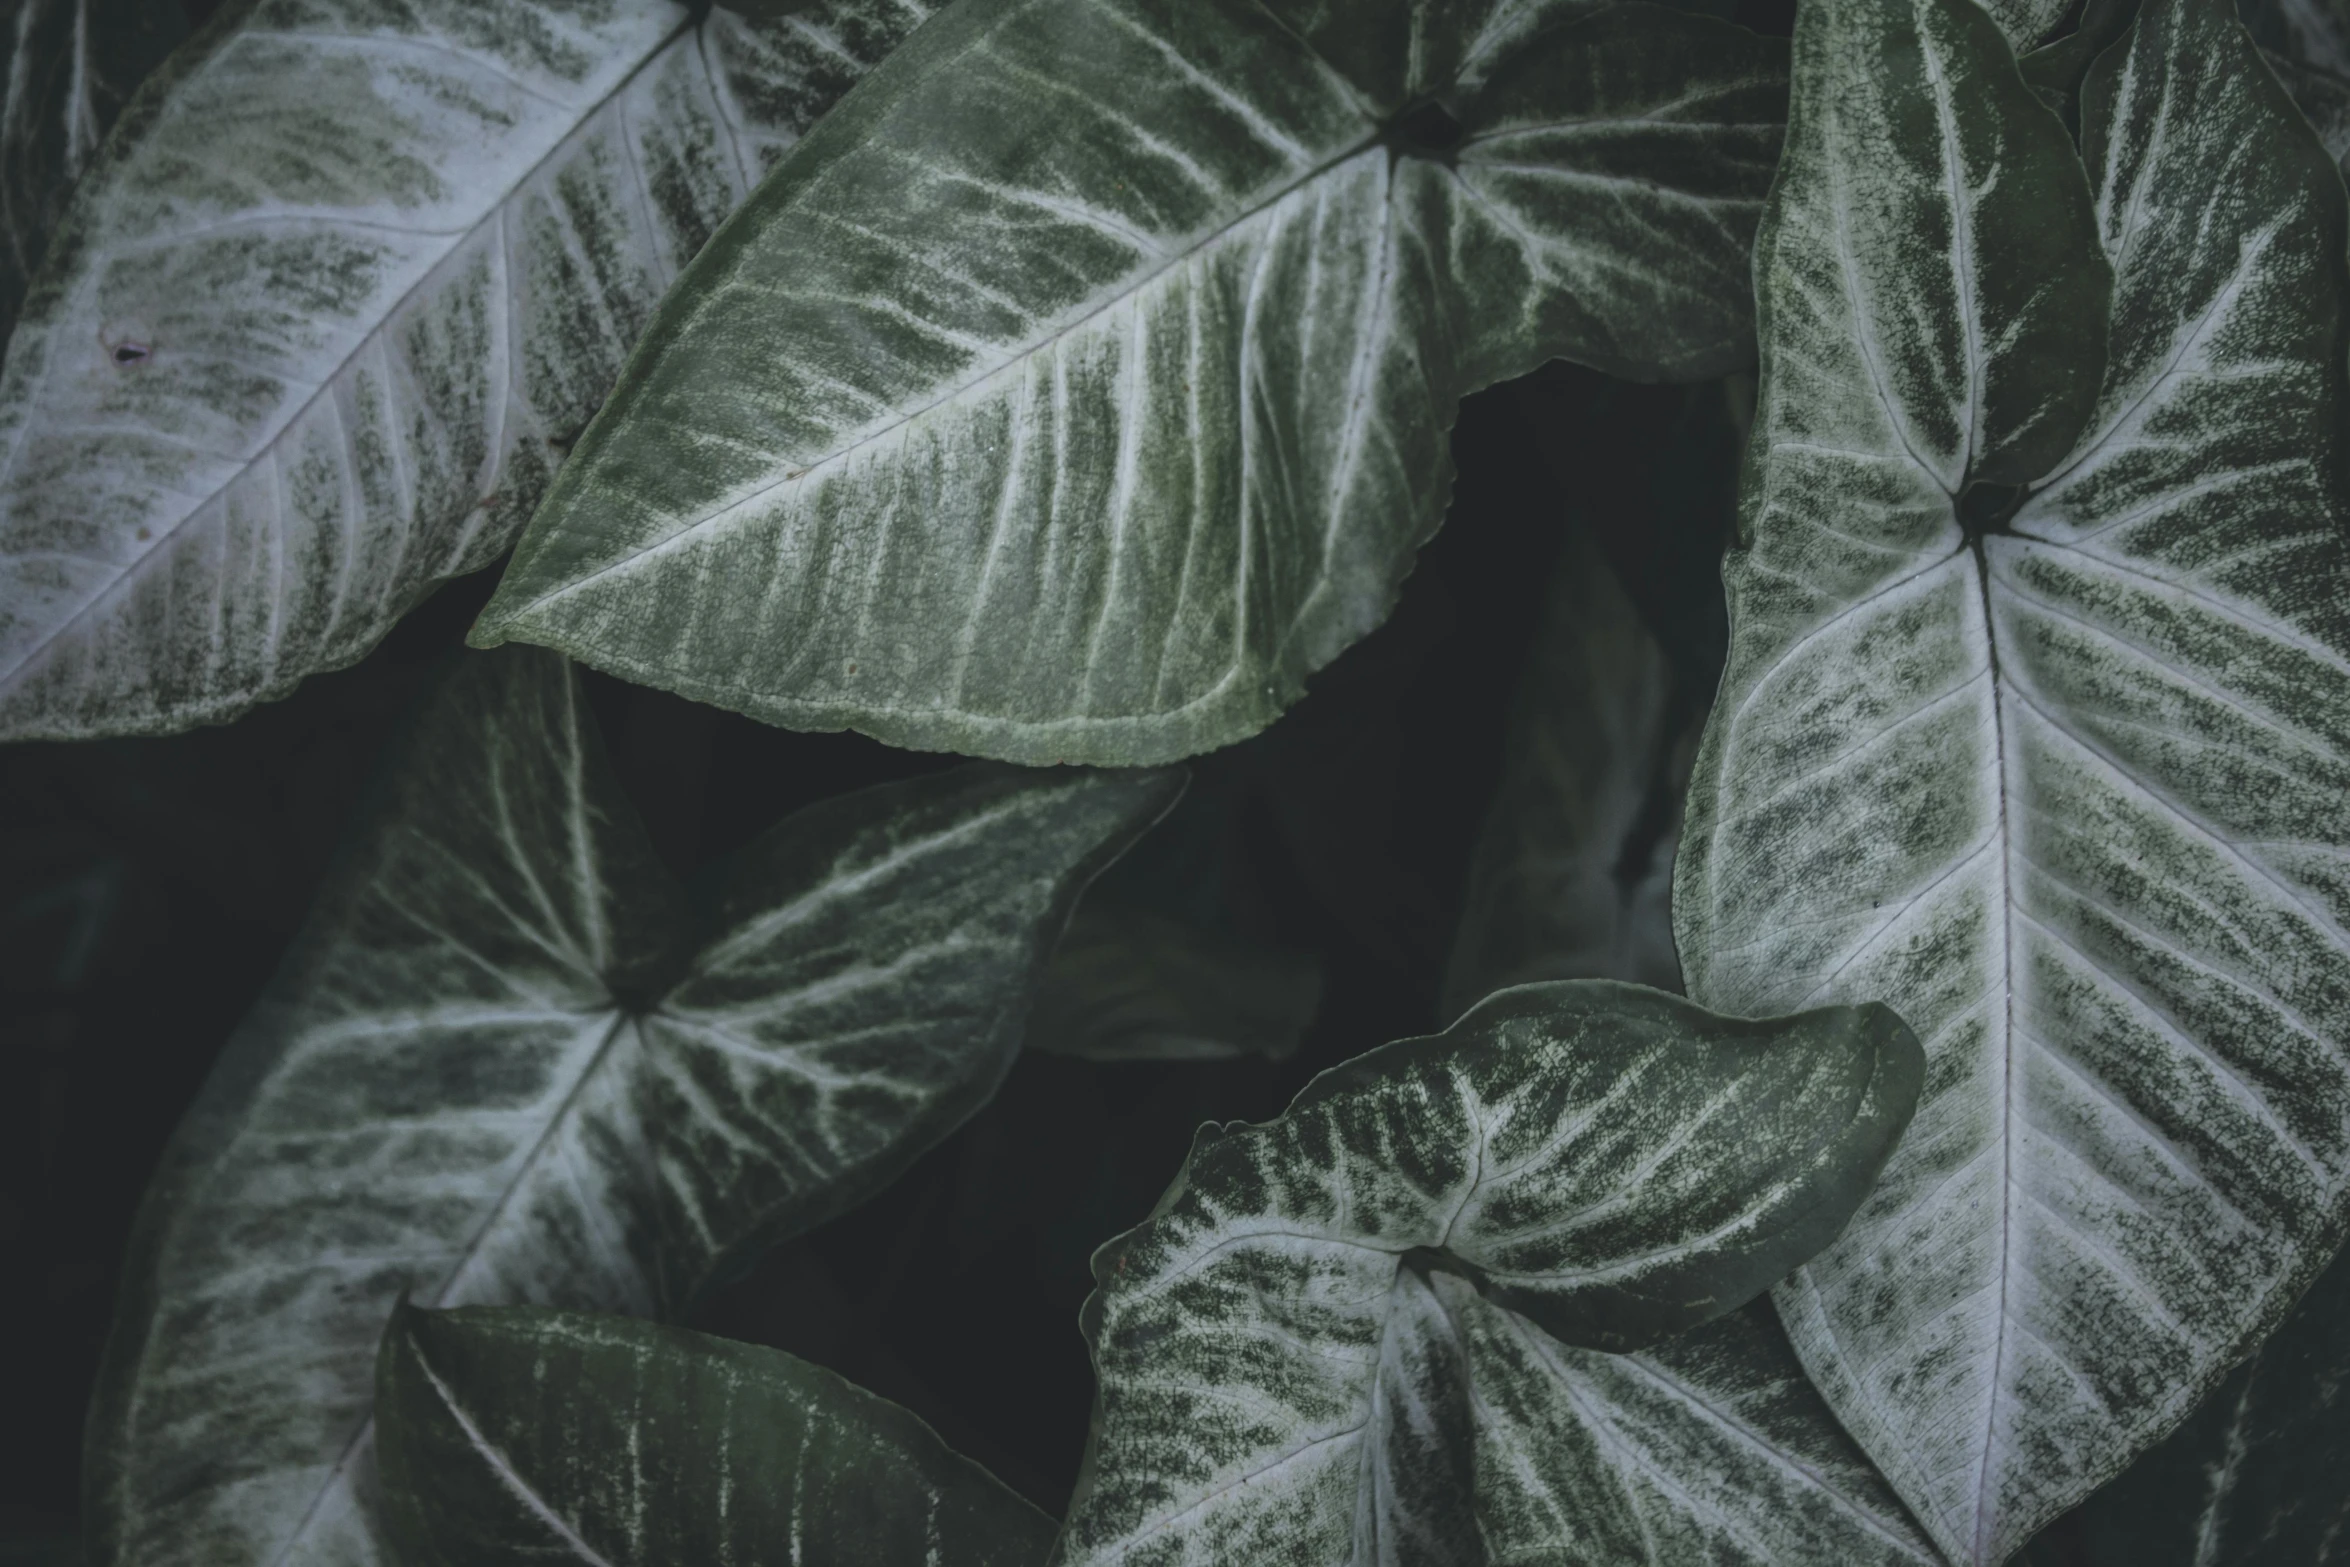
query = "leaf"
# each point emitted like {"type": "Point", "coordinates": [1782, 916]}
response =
{"type": "Point", "coordinates": [498, 1067]}
{"type": "Point", "coordinates": [66, 68]}
{"type": "Point", "coordinates": [2056, 70]}
{"type": "Point", "coordinates": [2306, 32]}
{"type": "Point", "coordinates": [1330, 1340]}
{"type": "Point", "coordinates": [332, 306]}
{"type": "Point", "coordinates": [1573, 870]}
{"type": "Point", "coordinates": [2253, 1478]}
{"type": "Point", "coordinates": [2307, 44]}
{"type": "Point", "coordinates": [517, 1434]}
{"type": "Point", "coordinates": [2028, 22]}
{"type": "Point", "coordinates": [2323, 97]}
{"type": "Point", "coordinates": [2057, 773]}
{"type": "Point", "coordinates": [1091, 445]}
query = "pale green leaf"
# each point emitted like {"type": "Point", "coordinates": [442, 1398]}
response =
{"type": "Point", "coordinates": [518, 1435]}
{"type": "Point", "coordinates": [1572, 875]}
{"type": "Point", "coordinates": [2057, 772]}
{"type": "Point", "coordinates": [330, 308]}
{"type": "Point", "coordinates": [499, 1067]}
{"type": "Point", "coordinates": [66, 69]}
{"type": "Point", "coordinates": [1345, 1335]}
{"type": "Point", "coordinates": [1083, 384]}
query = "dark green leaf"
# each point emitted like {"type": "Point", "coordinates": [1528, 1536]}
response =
{"type": "Point", "coordinates": [1292, 1349]}
{"type": "Point", "coordinates": [1082, 385]}
{"type": "Point", "coordinates": [2056, 71]}
{"type": "Point", "coordinates": [2058, 770]}
{"type": "Point", "coordinates": [519, 1436]}
{"type": "Point", "coordinates": [331, 307]}
{"type": "Point", "coordinates": [497, 1068]}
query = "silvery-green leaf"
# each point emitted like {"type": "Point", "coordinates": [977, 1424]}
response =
{"type": "Point", "coordinates": [521, 1435]}
{"type": "Point", "coordinates": [330, 307]}
{"type": "Point", "coordinates": [2059, 773]}
{"type": "Point", "coordinates": [1293, 1349]}
{"type": "Point", "coordinates": [1710, 1447]}
{"type": "Point", "coordinates": [498, 1068]}
{"type": "Point", "coordinates": [1128, 984]}
{"type": "Point", "coordinates": [66, 68]}
{"type": "Point", "coordinates": [1572, 874]}
{"type": "Point", "coordinates": [1083, 384]}
{"type": "Point", "coordinates": [2254, 1476]}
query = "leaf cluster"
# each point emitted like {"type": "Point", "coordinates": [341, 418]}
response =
{"type": "Point", "coordinates": [1869, 1003]}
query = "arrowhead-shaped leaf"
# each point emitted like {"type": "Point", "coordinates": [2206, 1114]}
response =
{"type": "Point", "coordinates": [1345, 1335]}
{"type": "Point", "coordinates": [2254, 1476]}
{"type": "Point", "coordinates": [2058, 772]}
{"type": "Point", "coordinates": [1083, 385]}
{"type": "Point", "coordinates": [66, 68]}
{"type": "Point", "coordinates": [331, 307]}
{"type": "Point", "coordinates": [498, 1068]}
{"type": "Point", "coordinates": [518, 1435]}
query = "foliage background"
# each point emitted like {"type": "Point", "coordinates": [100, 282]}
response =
{"type": "Point", "coordinates": [151, 884]}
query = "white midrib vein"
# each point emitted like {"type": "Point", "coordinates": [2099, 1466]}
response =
{"type": "Point", "coordinates": [495, 1460]}
{"type": "Point", "coordinates": [335, 1476]}
{"type": "Point", "coordinates": [1166, 259]}
{"type": "Point", "coordinates": [293, 413]}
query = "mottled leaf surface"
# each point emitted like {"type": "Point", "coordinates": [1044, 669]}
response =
{"type": "Point", "coordinates": [2254, 1478]}
{"type": "Point", "coordinates": [1084, 384]}
{"type": "Point", "coordinates": [1572, 874]}
{"type": "Point", "coordinates": [66, 69]}
{"type": "Point", "coordinates": [1357, 1332]}
{"type": "Point", "coordinates": [2056, 771]}
{"type": "Point", "coordinates": [521, 1435]}
{"type": "Point", "coordinates": [498, 1068]}
{"type": "Point", "coordinates": [331, 307]}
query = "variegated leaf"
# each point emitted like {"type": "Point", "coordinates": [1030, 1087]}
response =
{"type": "Point", "coordinates": [497, 1069]}
{"type": "Point", "coordinates": [519, 1435]}
{"type": "Point", "coordinates": [2058, 771]}
{"type": "Point", "coordinates": [1362, 1332]}
{"type": "Point", "coordinates": [331, 307]}
{"type": "Point", "coordinates": [1092, 441]}
{"type": "Point", "coordinates": [2254, 1478]}
{"type": "Point", "coordinates": [66, 68]}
